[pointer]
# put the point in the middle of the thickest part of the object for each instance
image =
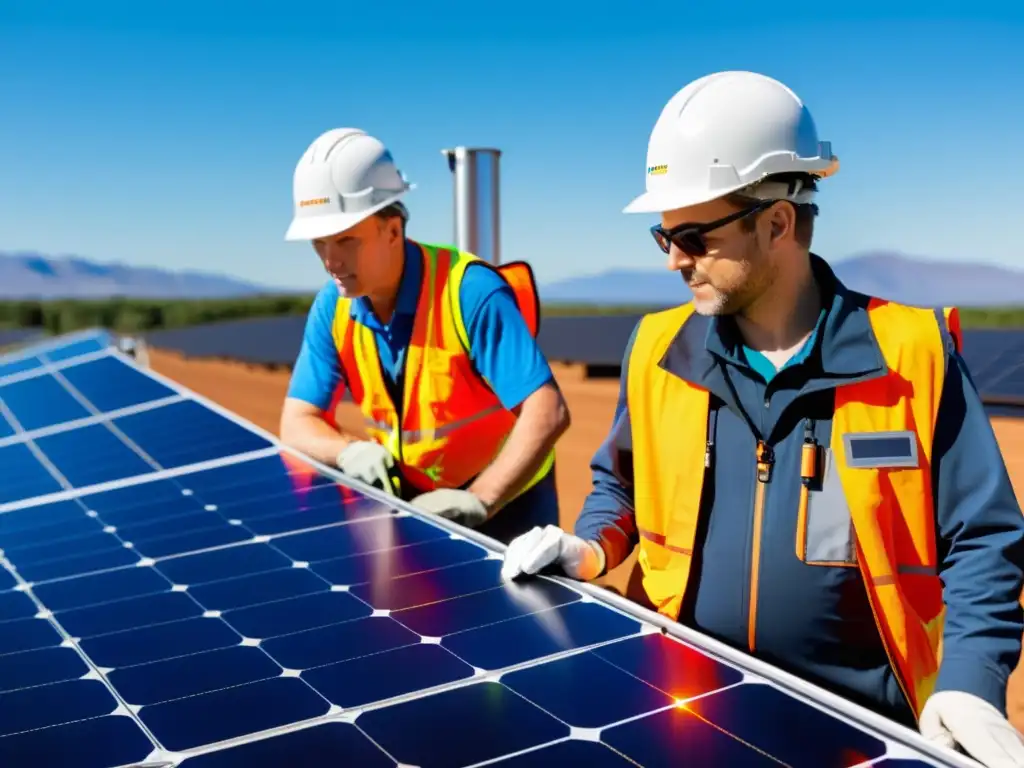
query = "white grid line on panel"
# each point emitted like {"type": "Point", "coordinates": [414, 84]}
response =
{"type": "Point", "coordinates": [88, 421]}
{"type": "Point", "coordinates": [42, 370]}
{"type": "Point", "coordinates": [85, 403]}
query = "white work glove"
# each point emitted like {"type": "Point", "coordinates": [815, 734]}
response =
{"type": "Point", "coordinates": [540, 547]}
{"type": "Point", "coordinates": [367, 462]}
{"type": "Point", "coordinates": [462, 507]}
{"type": "Point", "coordinates": [952, 718]}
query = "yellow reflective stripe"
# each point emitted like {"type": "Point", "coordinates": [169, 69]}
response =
{"type": "Point", "coordinates": [415, 435]}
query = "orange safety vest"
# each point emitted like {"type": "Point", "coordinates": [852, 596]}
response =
{"type": "Point", "coordinates": [451, 425]}
{"type": "Point", "coordinates": [891, 507]}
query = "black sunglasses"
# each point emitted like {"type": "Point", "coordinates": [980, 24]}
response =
{"type": "Point", "coordinates": [689, 238]}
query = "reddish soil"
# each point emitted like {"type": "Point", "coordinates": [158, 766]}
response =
{"type": "Point", "coordinates": [256, 394]}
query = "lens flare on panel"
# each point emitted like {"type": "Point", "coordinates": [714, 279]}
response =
{"type": "Point", "coordinates": [536, 603]}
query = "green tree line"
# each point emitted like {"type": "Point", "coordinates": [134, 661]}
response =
{"type": "Point", "coordinates": [135, 315]}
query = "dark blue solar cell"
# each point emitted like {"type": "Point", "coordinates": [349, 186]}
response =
{"type": "Point", "coordinates": [266, 476]}
{"type": "Point", "coordinates": [659, 741]}
{"type": "Point", "coordinates": [74, 349]}
{"type": "Point", "coordinates": [431, 586]}
{"type": "Point", "coordinates": [41, 550]}
{"type": "Point", "coordinates": [6, 430]}
{"type": "Point", "coordinates": [677, 669]}
{"type": "Point", "coordinates": [19, 366]}
{"type": "Point", "coordinates": [17, 536]}
{"type": "Point", "coordinates": [188, 675]}
{"type": "Point", "coordinates": [187, 432]}
{"type": "Point", "coordinates": [27, 635]}
{"type": "Point", "coordinates": [512, 642]}
{"type": "Point", "coordinates": [141, 528]}
{"type": "Point", "coordinates": [22, 476]}
{"type": "Point", "coordinates": [128, 614]}
{"type": "Point", "coordinates": [166, 512]}
{"type": "Point", "coordinates": [401, 561]}
{"type": "Point", "coordinates": [762, 716]}
{"type": "Point", "coordinates": [555, 687]}
{"type": "Point", "coordinates": [41, 402]}
{"type": "Point", "coordinates": [159, 641]}
{"type": "Point", "coordinates": [13, 604]}
{"type": "Point", "coordinates": [311, 518]}
{"type": "Point", "coordinates": [232, 712]}
{"type": "Point", "coordinates": [316, 747]}
{"type": "Point", "coordinates": [113, 740]}
{"type": "Point", "coordinates": [508, 601]}
{"type": "Point", "coordinates": [242, 560]}
{"type": "Point", "coordinates": [46, 665]}
{"type": "Point", "coordinates": [259, 588]}
{"type": "Point", "coordinates": [570, 752]}
{"type": "Point", "coordinates": [100, 588]}
{"type": "Point", "coordinates": [276, 496]}
{"type": "Point", "coordinates": [460, 727]}
{"type": "Point", "coordinates": [53, 704]}
{"type": "Point", "coordinates": [299, 613]}
{"type": "Point", "coordinates": [109, 384]}
{"type": "Point", "coordinates": [357, 538]}
{"type": "Point", "coordinates": [384, 675]}
{"type": "Point", "coordinates": [192, 541]}
{"type": "Point", "coordinates": [338, 642]}
{"type": "Point", "coordinates": [7, 580]}
{"type": "Point", "coordinates": [39, 516]}
{"type": "Point", "coordinates": [91, 455]}
{"type": "Point", "coordinates": [74, 566]}
{"type": "Point", "coordinates": [158, 498]}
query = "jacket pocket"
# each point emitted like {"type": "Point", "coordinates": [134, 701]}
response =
{"type": "Point", "coordinates": [824, 528]}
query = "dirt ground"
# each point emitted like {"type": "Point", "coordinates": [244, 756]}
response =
{"type": "Point", "coordinates": [256, 394]}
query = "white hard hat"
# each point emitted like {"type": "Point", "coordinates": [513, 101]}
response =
{"type": "Point", "coordinates": [343, 177]}
{"type": "Point", "coordinates": [724, 132]}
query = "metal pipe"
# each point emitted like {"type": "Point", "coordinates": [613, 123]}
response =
{"type": "Point", "coordinates": [477, 203]}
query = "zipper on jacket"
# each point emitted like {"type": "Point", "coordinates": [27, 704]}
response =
{"type": "Point", "coordinates": [765, 463]}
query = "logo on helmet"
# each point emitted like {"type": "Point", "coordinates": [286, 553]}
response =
{"type": "Point", "coordinates": [657, 170]}
{"type": "Point", "coordinates": [314, 201]}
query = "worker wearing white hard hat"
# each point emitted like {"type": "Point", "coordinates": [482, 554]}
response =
{"type": "Point", "coordinates": [437, 348]}
{"type": "Point", "coordinates": [807, 472]}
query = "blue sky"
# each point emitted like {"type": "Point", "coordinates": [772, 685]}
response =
{"type": "Point", "coordinates": [166, 133]}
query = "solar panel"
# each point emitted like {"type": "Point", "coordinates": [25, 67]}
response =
{"type": "Point", "coordinates": [178, 589]}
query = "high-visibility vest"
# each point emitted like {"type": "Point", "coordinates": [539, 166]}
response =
{"type": "Point", "coordinates": [451, 424]}
{"type": "Point", "coordinates": [891, 507]}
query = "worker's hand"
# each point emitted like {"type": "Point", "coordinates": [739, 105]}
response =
{"type": "Point", "coordinates": [952, 718]}
{"type": "Point", "coordinates": [458, 506]}
{"type": "Point", "coordinates": [367, 462]}
{"type": "Point", "coordinates": [540, 547]}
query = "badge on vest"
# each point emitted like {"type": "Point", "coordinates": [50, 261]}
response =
{"type": "Point", "coordinates": [880, 450]}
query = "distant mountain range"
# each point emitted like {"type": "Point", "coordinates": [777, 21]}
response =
{"type": "Point", "coordinates": [34, 276]}
{"type": "Point", "coordinates": [895, 276]}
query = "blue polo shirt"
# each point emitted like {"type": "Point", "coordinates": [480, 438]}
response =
{"type": "Point", "coordinates": [501, 349]}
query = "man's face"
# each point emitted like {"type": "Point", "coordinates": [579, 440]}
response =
{"type": "Point", "coordinates": [736, 269]}
{"type": "Point", "coordinates": [357, 259]}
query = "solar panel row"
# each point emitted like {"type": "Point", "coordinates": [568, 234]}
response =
{"type": "Point", "coordinates": [178, 590]}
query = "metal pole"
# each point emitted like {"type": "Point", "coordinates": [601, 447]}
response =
{"type": "Point", "coordinates": [477, 206]}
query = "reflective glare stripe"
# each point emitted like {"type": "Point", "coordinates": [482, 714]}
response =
{"type": "Point", "coordinates": [909, 570]}
{"type": "Point", "coordinates": [415, 435]}
{"type": "Point", "coordinates": [658, 539]}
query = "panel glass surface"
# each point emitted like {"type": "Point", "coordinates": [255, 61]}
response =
{"type": "Point", "coordinates": [259, 600]}
{"type": "Point", "coordinates": [41, 402]}
{"type": "Point", "coordinates": [110, 384]}
{"type": "Point", "coordinates": [18, 365]}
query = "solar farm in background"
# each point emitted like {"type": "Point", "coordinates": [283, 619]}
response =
{"type": "Point", "coordinates": [179, 589]}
